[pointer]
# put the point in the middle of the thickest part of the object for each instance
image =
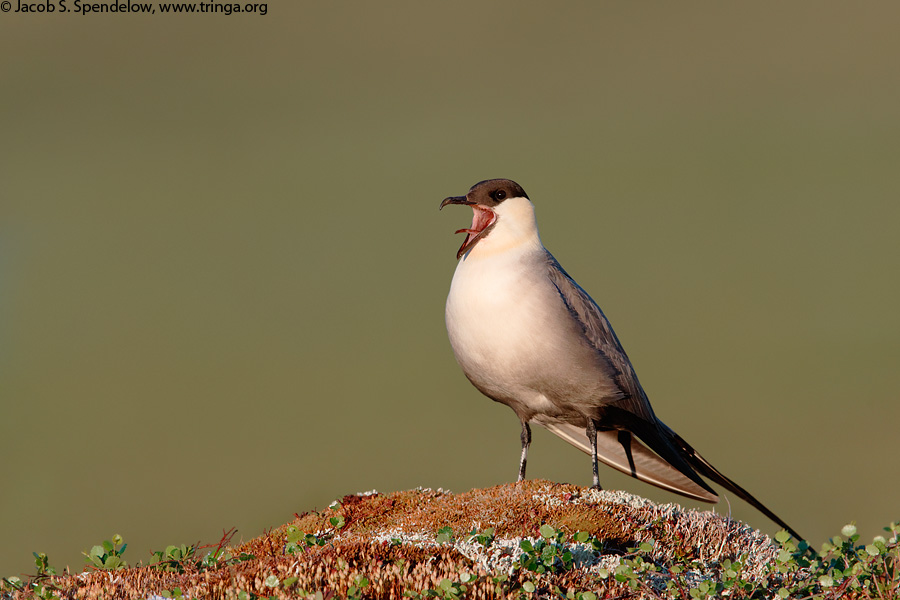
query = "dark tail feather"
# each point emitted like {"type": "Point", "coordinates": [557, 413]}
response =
{"type": "Point", "coordinates": [660, 441]}
{"type": "Point", "coordinates": [702, 466]}
{"type": "Point", "coordinates": [670, 446]}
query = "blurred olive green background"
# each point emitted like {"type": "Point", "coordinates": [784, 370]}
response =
{"type": "Point", "coordinates": [222, 267]}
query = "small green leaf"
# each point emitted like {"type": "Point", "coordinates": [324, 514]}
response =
{"type": "Point", "coordinates": [445, 534]}
{"type": "Point", "coordinates": [848, 530]}
{"type": "Point", "coordinates": [547, 531]}
{"type": "Point", "coordinates": [528, 587]}
{"type": "Point", "coordinates": [271, 581]}
{"type": "Point", "coordinates": [826, 581]}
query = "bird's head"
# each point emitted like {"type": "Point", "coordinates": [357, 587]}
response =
{"type": "Point", "coordinates": [494, 200]}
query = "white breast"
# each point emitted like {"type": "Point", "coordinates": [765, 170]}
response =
{"type": "Point", "coordinates": [487, 316]}
{"type": "Point", "coordinates": [494, 319]}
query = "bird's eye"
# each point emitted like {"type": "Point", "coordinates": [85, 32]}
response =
{"type": "Point", "coordinates": [499, 195]}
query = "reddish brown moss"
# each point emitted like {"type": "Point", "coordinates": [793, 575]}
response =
{"type": "Point", "coordinates": [513, 510]}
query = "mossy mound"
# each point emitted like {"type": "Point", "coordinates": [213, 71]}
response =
{"type": "Point", "coordinates": [424, 542]}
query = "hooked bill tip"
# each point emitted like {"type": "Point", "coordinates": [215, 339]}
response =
{"type": "Point", "coordinates": [454, 200]}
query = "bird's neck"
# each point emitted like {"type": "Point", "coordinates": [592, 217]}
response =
{"type": "Point", "coordinates": [515, 232]}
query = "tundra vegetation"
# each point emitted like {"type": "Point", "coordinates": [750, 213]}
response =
{"type": "Point", "coordinates": [533, 539]}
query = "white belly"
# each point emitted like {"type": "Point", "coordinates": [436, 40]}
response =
{"type": "Point", "coordinates": [494, 314]}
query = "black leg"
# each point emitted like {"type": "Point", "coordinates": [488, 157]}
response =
{"type": "Point", "coordinates": [592, 436]}
{"type": "Point", "coordinates": [526, 442]}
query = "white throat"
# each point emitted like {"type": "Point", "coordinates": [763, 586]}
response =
{"type": "Point", "coordinates": [515, 230]}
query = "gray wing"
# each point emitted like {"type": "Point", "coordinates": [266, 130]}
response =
{"type": "Point", "coordinates": [675, 464]}
{"type": "Point", "coordinates": [601, 336]}
{"type": "Point", "coordinates": [668, 468]}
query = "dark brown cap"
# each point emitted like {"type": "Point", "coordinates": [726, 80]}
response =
{"type": "Point", "coordinates": [489, 192]}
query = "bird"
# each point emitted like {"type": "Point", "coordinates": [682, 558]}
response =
{"type": "Point", "coordinates": [528, 336]}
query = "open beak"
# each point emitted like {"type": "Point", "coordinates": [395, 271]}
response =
{"type": "Point", "coordinates": [456, 200]}
{"type": "Point", "coordinates": [483, 219]}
